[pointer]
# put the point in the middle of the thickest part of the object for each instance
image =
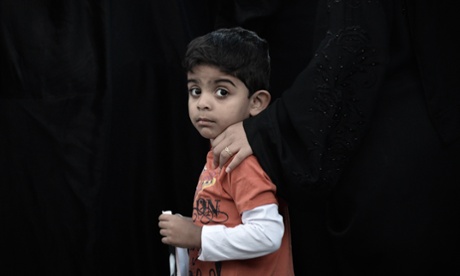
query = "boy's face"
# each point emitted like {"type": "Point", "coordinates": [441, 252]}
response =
{"type": "Point", "coordinates": [215, 100]}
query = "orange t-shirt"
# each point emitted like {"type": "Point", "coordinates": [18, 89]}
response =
{"type": "Point", "coordinates": [221, 198]}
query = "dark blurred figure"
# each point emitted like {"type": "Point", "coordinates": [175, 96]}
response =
{"type": "Point", "coordinates": [364, 142]}
{"type": "Point", "coordinates": [90, 153]}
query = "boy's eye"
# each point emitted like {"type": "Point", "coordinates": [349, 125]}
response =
{"type": "Point", "coordinates": [221, 92]}
{"type": "Point", "coordinates": [194, 91]}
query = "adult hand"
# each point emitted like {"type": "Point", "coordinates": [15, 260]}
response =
{"type": "Point", "coordinates": [179, 231]}
{"type": "Point", "coordinates": [231, 142]}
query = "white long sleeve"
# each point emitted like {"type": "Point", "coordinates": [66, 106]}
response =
{"type": "Point", "coordinates": [260, 233]}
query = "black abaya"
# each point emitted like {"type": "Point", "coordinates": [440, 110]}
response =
{"type": "Point", "coordinates": [365, 144]}
{"type": "Point", "coordinates": [93, 132]}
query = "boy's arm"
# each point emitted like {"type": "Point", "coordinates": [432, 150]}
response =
{"type": "Point", "coordinates": [260, 234]}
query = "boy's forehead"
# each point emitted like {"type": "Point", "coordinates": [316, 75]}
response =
{"type": "Point", "coordinates": [207, 70]}
{"type": "Point", "coordinates": [203, 66]}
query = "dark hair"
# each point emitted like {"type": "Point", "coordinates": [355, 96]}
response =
{"type": "Point", "coordinates": [235, 51]}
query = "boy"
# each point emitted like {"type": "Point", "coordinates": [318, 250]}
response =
{"type": "Point", "coordinates": [236, 227]}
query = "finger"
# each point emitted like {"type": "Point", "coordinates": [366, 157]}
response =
{"type": "Point", "coordinates": [234, 163]}
{"type": "Point", "coordinates": [163, 217]}
{"type": "Point", "coordinates": [223, 158]}
{"type": "Point", "coordinates": [165, 240]}
{"type": "Point", "coordinates": [217, 151]}
{"type": "Point", "coordinates": [216, 142]}
{"type": "Point", "coordinates": [215, 163]}
{"type": "Point", "coordinates": [242, 154]}
{"type": "Point", "coordinates": [218, 139]}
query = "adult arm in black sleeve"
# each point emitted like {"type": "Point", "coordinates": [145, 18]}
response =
{"type": "Point", "coordinates": [305, 138]}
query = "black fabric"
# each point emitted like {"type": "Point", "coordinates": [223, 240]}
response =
{"type": "Point", "coordinates": [95, 139]}
{"type": "Point", "coordinates": [364, 144]}
{"type": "Point", "coordinates": [437, 53]}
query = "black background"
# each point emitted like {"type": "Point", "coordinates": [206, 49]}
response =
{"type": "Point", "coordinates": [95, 138]}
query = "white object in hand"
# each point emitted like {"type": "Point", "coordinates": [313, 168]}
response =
{"type": "Point", "coordinates": [172, 257]}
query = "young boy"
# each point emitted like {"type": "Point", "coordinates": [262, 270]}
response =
{"type": "Point", "coordinates": [236, 227]}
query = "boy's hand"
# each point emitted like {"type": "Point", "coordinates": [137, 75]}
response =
{"type": "Point", "coordinates": [179, 231]}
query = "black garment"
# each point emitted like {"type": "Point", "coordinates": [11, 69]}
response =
{"type": "Point", "coordinates": [365, 144]}
{"type": "Point", "coordinates": [93, 132]}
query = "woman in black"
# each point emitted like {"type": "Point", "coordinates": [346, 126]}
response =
{"type": "Point", "coordinates": [365, 143]}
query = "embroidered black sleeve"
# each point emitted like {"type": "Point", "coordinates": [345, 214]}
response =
{"type": "Point", "coordinates": [341, 82]}
{"type": "Point", "coordinates": [306, 138]}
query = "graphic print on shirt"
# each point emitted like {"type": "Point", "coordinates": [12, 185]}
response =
{"type": "Point", "coordinates": [207, 209]}
{"type": "Point", "coordinates": [214, 270]}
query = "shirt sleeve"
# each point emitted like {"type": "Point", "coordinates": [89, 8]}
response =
{"type": "Point", "coordinates": [307, 137]}
{"type": "Point", "coordinates": [260, 234]}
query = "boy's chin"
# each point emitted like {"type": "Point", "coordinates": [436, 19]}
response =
{"type": "Point", "coordinates": [208, 135]}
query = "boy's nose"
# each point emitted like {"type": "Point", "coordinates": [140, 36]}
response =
{"type": "Point", "coordinates": [204, 102]}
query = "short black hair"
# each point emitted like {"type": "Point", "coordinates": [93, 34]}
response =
{"type": "Point", "coordinates": [235, 51]}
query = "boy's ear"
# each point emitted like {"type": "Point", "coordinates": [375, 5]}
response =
{"type": "Point", "coordinates": [259, 101]}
